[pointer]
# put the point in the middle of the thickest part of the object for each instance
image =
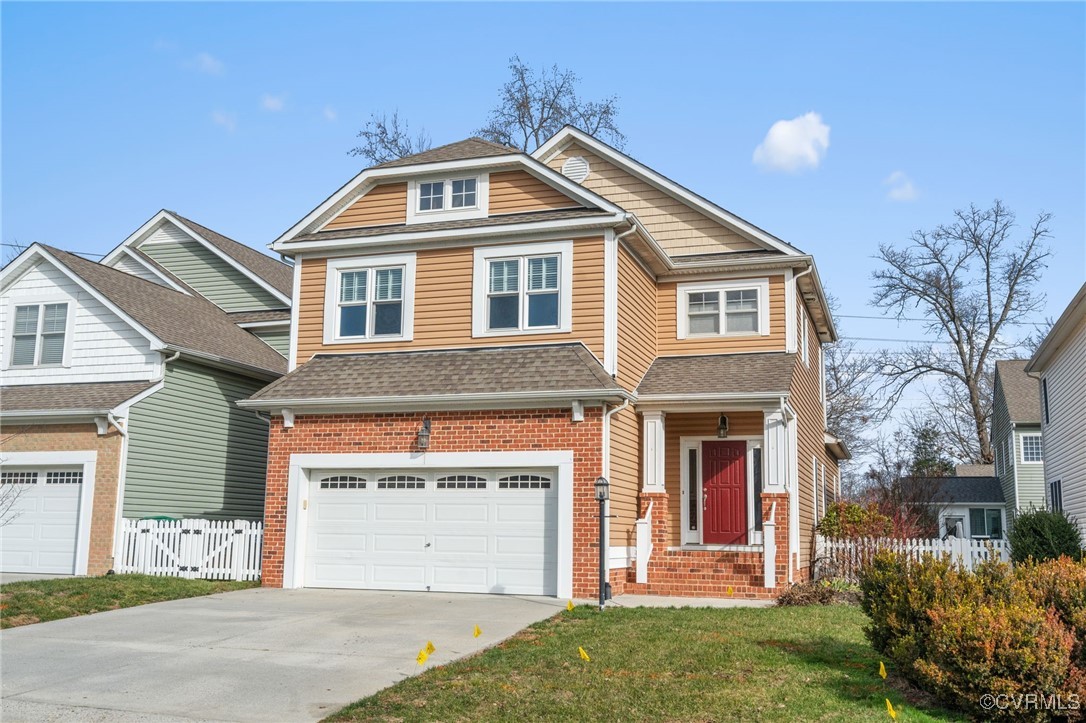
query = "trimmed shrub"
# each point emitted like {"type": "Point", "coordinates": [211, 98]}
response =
{"type": "Point", "coordinates": [1044, 535]}
{"type": "Point", "coordinates": [1060, 585]}
{"type": "Point", "coordinates": [849, 520]}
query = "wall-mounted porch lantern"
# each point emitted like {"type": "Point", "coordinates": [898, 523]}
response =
{"type": "Point", "coordinates": [423, 440]}
{"type": "Point", "coordinates": [722, 427]}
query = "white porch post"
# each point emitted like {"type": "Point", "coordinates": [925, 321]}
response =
{"type": "Point", "coordinates": [653, 428]}
{"type": "Point", "coordinates": [776, 452]}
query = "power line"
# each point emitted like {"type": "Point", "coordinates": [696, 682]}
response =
{"type": "Point", "coordinates": [913, 318]}
{"type": "Point", "coordinates": [26, 246]}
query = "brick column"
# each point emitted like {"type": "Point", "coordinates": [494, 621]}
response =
{"type": "Point", "coordinates": [781, 520]}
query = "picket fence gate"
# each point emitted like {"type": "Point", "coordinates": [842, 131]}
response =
{"type": "Point", "coordinates": [843, 559]}
{"type": "Point", "coordinates": [207, 549]}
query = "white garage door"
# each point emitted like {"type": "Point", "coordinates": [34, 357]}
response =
{"type": "Point", "coordinates": [41, 536]}
{"type": "Point", "coordinates": [451, 531]}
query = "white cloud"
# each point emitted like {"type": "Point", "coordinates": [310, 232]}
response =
{"type": "Point", "coordinates": [330, 114]}
{"type": "Point", "coordinates": [273, 103]}
{"type": "Point", "coordinates": [794, 145]}
{"type": "Point", "coordinates": [901, 187]}
{"type": "Point", "coordinates": [206, 63]}
{"type": "Point", "coordinates": [227, 120]}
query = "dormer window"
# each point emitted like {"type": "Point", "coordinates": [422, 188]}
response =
{"type": "Point", "coordinates": [447, 199]}
{"type": "Point", "coordinates": [723, 308]}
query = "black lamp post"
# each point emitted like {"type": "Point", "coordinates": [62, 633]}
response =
{"type": "Point", "coordinates": [602, 495]}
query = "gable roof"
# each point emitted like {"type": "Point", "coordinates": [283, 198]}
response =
{"type": "Point", "coordinates": [1060, 332]}
{"type": "Point", "coordinates": [181, 322]}
{"type": "Point", "coordinates": [473, 147]}
{"type": "Point", "coordinates": [961, 490]}
{"type": "Point", "coordinates": [443, 376]}
{"type": "Point", "coordinates": [273, 276]}
{"type": "Point", "coordinates": [1021, 392]}
{"type": "Point", "coordinates": [558, 142]}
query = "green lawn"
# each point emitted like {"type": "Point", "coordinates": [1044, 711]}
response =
{"type": "Point", "coordinates": [35, 601]}
{"type": "Point", "coordinates": [653, 664]}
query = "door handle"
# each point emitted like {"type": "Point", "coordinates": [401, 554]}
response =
{"type": "Point", "coordinates": [428, 544]}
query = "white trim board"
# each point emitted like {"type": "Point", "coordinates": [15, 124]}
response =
{"type": "Point", "coordinates": [298, 488]}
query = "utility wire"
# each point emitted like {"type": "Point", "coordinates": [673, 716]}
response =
{"type": "Point", "coordinates": [913, 318]}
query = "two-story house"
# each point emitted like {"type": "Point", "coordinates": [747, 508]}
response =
{"type": "Point", "coordinates": [1060, 364]}
{"type": "Point", "coordinates": [1016, 437]}
{"type": "Point", "coordinates": [118, 388]}
{"type": "Point", "coordinates": [480, 335]}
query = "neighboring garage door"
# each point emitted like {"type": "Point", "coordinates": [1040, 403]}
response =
{"type": "Point", "coordinates": [41, 536]}
{"type": "Point", "coordinates": [451, 530]}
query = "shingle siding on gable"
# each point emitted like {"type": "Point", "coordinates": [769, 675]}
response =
{"type": "Point", "coordinates": [104, 347]}
{"type": "Point", "coordinates": [207, 273]}
{"type": "Point", "coordinates": [194, 453]}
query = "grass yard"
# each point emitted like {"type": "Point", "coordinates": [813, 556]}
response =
{"type": "Point", "coordinates": [36, 601]}
{"type": "Point", "coordinates": [652, 664]}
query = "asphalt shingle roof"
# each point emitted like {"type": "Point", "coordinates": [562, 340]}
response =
{"type": "Point", "coordinates": [962, 490]}
{"type": "Point", "coordinates": [90, 397]}
{"type": "Point", "coordinates": [277, 274]}
{"type": "Point", "coordinates": [243, 317]}
{"type": "Point", "coordinates": [1022, 392]}
{"type": "Point", "coordinates": [719, 374]}
{"type": "Point", "coordinates": [186, 322]}
{"type": "Point", "coordinates": [468, 148]}
{"type": "Point", "coordinates": [524, 369]}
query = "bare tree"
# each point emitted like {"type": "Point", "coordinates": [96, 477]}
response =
{"type": "Point", "coordinates": [970, 279]}
{"type": "Point", "coordinates": [9, 497]}
{"type": "Point", "coordinates": [1035, 337]}
{"type": "Point", "coordinates": [386, 139]}
{"type": "Point", "coordinates": [534, 105]}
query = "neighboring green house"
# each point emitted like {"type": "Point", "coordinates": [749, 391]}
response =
{"type": "Point", "coordinates": [120, 388]}
{"type": "Point", "coordinates": [1016, 437]}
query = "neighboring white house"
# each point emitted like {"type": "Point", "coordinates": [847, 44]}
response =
{"type": "Point", "coordinates": [970, 505]}
{"type": "Point", "coordinates": [1060, 364]}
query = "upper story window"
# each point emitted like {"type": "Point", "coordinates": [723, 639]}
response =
{"type": "Point", "coordinates": [523, 289]}
{"type": "Point", "coordinates": [445, 199]}
{"type": "Point", "coordinates": [1032, 449]}
{"type": "Point", "coordinates": [723, 308]}
{"type": "Point", "coordinates": [369, 299]}
{"type": "Point", "coordinates": [39, 335]}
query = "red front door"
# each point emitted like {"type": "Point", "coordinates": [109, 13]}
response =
{"type": "Point", "coordinates": [724, 493]}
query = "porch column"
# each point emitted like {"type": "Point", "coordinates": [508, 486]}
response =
{"type": "Point", "coordinates": [653, 434]}
{"type": "Point", "coordinates": [776, 452]}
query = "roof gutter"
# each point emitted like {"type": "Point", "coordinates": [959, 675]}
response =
{"type": "Point", "coordinates": [220, 361]}
{"type": "Point", "coordinates": [448, 401]}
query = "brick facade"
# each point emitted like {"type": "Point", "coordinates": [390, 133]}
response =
{"type": "Point", "coordinates": [77, 438]}
{"type": "Point", "coordinates": [452, 431]}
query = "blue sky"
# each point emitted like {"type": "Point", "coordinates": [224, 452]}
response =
{"type": "Point", "coordinates": [240, 115]}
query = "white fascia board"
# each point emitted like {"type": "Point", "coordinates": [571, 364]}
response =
{"type": "Point", "coordinates": [593, 397]}
{"type": "Point", "coordinates": [39, 414]}
{"type": "Point", "coordinates": [284, 323]}
{"type": "Point", "coordinates": [564, 137]}
{"type": "Point", "coordinates": [128, 252]}
{"type": "Point", "coordinates": [472, 232]}
{"type": "Point", "coordinates": [121, 410]}
{"type": "Point", "coordinates": [36, 249]}
{"type": "Point", "coordinates": [136, 236]}
{"type": "Point", "coordinates": [223, 363]}
{"type": "Point", "coordinates": [761, 398]}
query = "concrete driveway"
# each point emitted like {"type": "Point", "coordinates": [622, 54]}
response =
{"type": "Point", "coordinates": [253, 655]}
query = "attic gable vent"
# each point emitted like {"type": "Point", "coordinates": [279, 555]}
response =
{"type": "Point", "coordinates": [576, 169]}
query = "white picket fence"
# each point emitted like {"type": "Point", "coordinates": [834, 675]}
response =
{"type": "Point", "coordinates": [208, 549]}
{"type": "Point", "coordinates": [843, 559]}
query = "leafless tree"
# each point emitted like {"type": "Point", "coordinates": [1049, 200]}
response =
{"type": "Point", "coordinates": [386, 139]}
{"type": "Point", "coordinates": [971, 279]}
{"type": "Point", "coordinates": [535, 104]}
{"type": "Point", "coordinates": [1035, 337]}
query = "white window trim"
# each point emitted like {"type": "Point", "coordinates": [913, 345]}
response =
{"type": "Point", "coordinates": [681, 305]}
{"type": "Point", "coordinates": [481, 209]}
{"type": "Point", "coordinates": [331, 296]}
{"type": "Point", "coordinates": [480, 281]}
{"type": "Point", "coordinates": [1022, 453]}
{"type": "Point", "coordinates": [691, 539]}
{"type": "Point", "coordinates": [40, 301]}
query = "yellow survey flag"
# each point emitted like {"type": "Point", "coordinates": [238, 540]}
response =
{"type": "Point", "coordinates": [421, 657]}
{"type": "Point", "coordinates": [478, 631]}
{"type": "Point", "coordinates": [429, 648]}
{"type": "Point", "coordinates": [729, 590]}
{"type": "Point", "coordinates": [569, 606]}
{"type": "Point", "coordinates": [882, 670]}
{"type": "Point", "coordinates": [584, 655]}
{"type": "Point", "coordinates": [890, 709]}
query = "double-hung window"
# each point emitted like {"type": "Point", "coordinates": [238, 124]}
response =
{"type": "Point", "coordinates": [39, 334]}
{"type": "Point", "coordinates": [723, 308]}
{"type": "Point", "coordinates": [1032, 449]}
{"type": "Point", "coordinates": [432, 196]}
{"type": "Point", "coordinates": [446, 199]}
{"type": "Point", "coordinates": [369, 299]}
{"type": "Point", "coordinates": [522, 289]}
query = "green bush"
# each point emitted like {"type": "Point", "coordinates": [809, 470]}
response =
{"type": "Point", "coordinates": [1044, 535]}
{"type": "Point", "coordinates": [848, 520]}
{"type": "Point", "coordinates": [998, 630]}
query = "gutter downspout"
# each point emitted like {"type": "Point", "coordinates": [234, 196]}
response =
{"type": "Point", "coordinates": [606, 440]}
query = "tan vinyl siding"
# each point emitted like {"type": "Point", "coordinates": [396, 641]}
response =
{"type": "Point", "coordinates": [380, 206]}
{"type": "Point", "coordinates": [679, 228]}
{"type": "Point", "coordinates": [700, 424]}
{"type": "Point", "coordinates": [804, 398]}
{"type": "Point", "coordinates": [443, 304]}
{"type": "Point", "coordinates": [520, 191]}
{"type": "Point", "coordinates": [625, 475]}
{"type": "Point", "coordinates": [669, 345]}
{"type": "Point", "coordinates": [636, 320]}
